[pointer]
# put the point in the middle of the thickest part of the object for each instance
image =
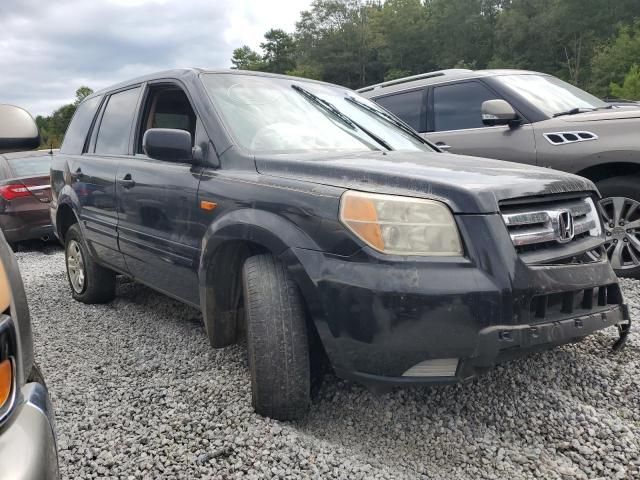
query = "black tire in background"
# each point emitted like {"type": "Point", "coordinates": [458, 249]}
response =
{"type": "Point", "coordinates": [99, 283]}
{"type": "Point", "coordinates": [620, 212]}
{"type": "Point", "coordinates": [277, 341]}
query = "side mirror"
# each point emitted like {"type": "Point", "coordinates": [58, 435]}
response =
{"type": "Point", "coordinates": [18, 130]}
{"type": "Point", "coordinates": [168, 144]}
{"type": "Point", "coordinates": [498, 112]}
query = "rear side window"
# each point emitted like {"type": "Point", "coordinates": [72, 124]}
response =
{"type": "Point", "coordinates": [115, 127]}
{"type": "Point", "coordinates": [458, 106]}
{"type": "Point", "coordinates": [31, 167]}
{"type": "Point", "coordinates": [407, 106]}
{"type": "Point", "coordinates": [76, 135]}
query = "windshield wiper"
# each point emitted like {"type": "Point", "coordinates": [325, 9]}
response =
{"type": "Point", "coordinates": [574, 111]}
{"type": "Point", "coordinates": [389, 118]}
{"type": "Point", "coordinates": [330, 108]}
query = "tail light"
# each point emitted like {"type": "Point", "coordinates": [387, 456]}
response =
{"type": "Point", "coordinates": [16, 190]}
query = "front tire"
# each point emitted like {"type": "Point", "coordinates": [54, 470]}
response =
{"type": "Point", "coordinates": [277, 341]}
{"type": "Point", "coordinates": [90, 283]}
{"type": "Point", "coordinates": [620, 212]}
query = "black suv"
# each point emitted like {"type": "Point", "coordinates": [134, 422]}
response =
{"type": "Point", "coordinates": [322, 223]}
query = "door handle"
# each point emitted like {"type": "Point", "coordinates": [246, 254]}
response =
{"type": "Point", "coordinates": [443, 146]}
{"type": "Point", "coordinates": [127, 181]}
{"type": "Point", "coordinates": [77, 175]}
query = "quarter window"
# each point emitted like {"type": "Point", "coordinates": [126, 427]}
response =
{"type": "Point", "coordinates": [407, 106]}
{"type": "Point", "coordinates": [459, 106]}
{"type": "Point", "coordinates": [77, 131]}
{"type": "Point", "coordinates": [115, 127]}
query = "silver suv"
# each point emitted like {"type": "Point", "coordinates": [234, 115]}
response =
{"type": "Point", "coordinates": [533, 118]}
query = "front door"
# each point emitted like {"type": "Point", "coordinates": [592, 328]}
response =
{"type": "Point", "coordinates": [455, 124]}
{"type": "Point", "coordinates": [158, 225]}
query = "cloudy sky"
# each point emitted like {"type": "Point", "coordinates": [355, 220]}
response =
{"type": "Point", "coordinates": [48, 48]}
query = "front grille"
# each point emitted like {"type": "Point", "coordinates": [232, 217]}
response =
{"type": "Point", "coordinates": [550, 223]}
{"type": "Point", "coordinates": [558, 305]}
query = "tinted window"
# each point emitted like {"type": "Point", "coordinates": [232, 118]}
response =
{"type": "Point", "coordinates": [459, 106]}
{"type": "Point", "coordinates": [35, 166]}
{"type": "Point", "coordinates": [406, 105]}
{"type": "Point", "coordinates": [79, 128]}
{"type": "Point", "coordinates": [115, 127]}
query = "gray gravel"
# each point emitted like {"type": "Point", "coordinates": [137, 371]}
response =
{"type": "Point", "coordinates": [138, 393]}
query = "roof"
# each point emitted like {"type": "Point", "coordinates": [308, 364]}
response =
{"type": "Point", "coordinates": [440, 76]}
{"type": "Point", "coordinates": [193, 72]}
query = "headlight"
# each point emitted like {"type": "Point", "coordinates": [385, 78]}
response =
{"type": "Point", "coordinates": [401, 225]}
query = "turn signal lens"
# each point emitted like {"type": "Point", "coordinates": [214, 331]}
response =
{"type": "Point", "coordinates": [6, 381]}
{"type": "Point", "coordinates": [401, 225]}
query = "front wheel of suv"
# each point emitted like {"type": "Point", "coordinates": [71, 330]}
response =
{"type": "Point", "coordinates": [89, 282]}
{"type": "Point", "coordinates": [277, 342]}
{"type": "Point", "coordinates": [620, 212]}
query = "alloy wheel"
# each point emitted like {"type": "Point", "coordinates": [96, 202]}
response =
{"type": "Point", "coordinates": [75, 266]}
{"type": "Point", "coordinates": [621, 219]}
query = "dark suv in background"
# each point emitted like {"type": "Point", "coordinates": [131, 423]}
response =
{"type": "Point", "coordinates": [537, 119]}
{"type": "Point", "coordinates": [325, 225]}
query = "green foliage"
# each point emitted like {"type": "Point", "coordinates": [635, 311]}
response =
{"type": "Point", "coordinates": [244, 58]}
{"type": "Point", "coordinates": [53, 127]}
{"type": "Point", "coordinates": [630, 89]}
{"type": "Point", "coordinates": [360, 42]}
{"type": "Point", "coordinates": [615, 59]}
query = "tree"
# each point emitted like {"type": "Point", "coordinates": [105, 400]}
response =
{"type": "Point", "coordinates": [53, 127]}
{"type": "Point", "coordinates": [279, 51]}
{"type": "Point", "coordinates": [244, 58]}
{"type": "Point", "coordinates": [630, 89]}
{"type": "Point", "coordinates": [82, 93]}
{"type": "Point", "coordinates": [614, 59]}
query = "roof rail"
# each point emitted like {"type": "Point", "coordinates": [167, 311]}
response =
{"type": "Point", "coordinates": [421, 76]}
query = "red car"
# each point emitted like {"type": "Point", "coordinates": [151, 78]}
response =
{"type": "Point", "coordinates": [25, 192]}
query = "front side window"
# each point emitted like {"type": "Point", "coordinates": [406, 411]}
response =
{"type": "Point", "coordinates": [407, 106]}
{"type": "Point", "coordinates": [459, 106]}
{"type": "Point", "coordinates": [281, 115]}
{"type": "Point", "coordinates": [168, 107]}
{"type": "Point", "coordinates": [550, 94]}
{"type": "Point", "coordinates": [76, 135]}
{"type": "Point", "coordinates": [115, 127]}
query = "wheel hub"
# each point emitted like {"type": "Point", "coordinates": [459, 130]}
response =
{"type": "Point", "coordinates": [75, 266]}
{"type": "Point", "coordinates": [621, 219]}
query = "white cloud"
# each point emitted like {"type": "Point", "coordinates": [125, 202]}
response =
{"type": "Point", "coordinates": [48, 49]}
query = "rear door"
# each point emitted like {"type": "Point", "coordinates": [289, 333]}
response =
{"type": "Point", "coordinates": [159, 224]}
{"type": "Point", "coordinates": [93, 175]}
{"type": "Point", "coordinates": [454, 123]}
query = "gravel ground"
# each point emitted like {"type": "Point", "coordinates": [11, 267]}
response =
{"type": "Point", "coordinates": [138, 393]}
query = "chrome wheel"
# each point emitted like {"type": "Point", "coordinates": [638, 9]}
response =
{"type": "Point", "coordinates": [75, 266]}
{"type": "Point", "coordinates": [621, 218]}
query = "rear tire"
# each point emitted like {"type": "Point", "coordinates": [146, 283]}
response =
{"type": "Point", "coordinates": [90, 283]}
{"type": "Point", "coordinates": [620, 212]}
{"type": "Point", "coordinates": [277, 341]}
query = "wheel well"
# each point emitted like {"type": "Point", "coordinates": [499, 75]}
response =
{"type": "Point", "coordinates": [609, 170]}
{"type": "Point", "coordinates": [65, 219]}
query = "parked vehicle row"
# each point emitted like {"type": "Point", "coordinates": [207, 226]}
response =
{"type": "Point", "coordinates": [536, 119]}
{"type": "Point", "coordinates": [315, 220]}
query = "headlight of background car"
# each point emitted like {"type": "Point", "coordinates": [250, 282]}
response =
{"type": "Point", "coordinates": [401, 225]}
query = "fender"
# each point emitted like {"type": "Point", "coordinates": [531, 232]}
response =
{"type": "Point", "coordinates": [66, 197]}
{"type": "Point", "coordinates": [273, 232]}
{"type": "Point", "coordinates": [220, 294]}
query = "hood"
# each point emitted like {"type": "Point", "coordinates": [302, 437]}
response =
{"type": "Point", "coordinates": [616, 113]}
{"type": "Point", "coordinates": [466, 184]}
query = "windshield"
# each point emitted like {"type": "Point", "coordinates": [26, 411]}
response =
{"type": "Point", "coordinates": [281, 115]}
{"type": "Point", "coordinates": [550, 94]}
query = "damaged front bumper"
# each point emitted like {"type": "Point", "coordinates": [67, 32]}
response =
{"type": "Point", "coordinates": [400, 320]}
